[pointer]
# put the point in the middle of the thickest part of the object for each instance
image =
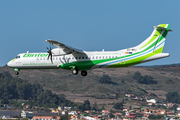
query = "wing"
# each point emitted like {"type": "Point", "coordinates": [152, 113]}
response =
{"type": "Point", "coordinates": [66, 49]}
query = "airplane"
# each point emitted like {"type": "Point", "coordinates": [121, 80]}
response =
{"type": "Point", "coordinates": [69, 58]}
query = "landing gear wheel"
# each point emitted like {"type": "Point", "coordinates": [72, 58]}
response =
{"type": "Point", "coordinates": [17, 73]}
{"type": "Point", "coordinates": [83, 73]}
{"type": "Point", "coordinates": [75, 71]}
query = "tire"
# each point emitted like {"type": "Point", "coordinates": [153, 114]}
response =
{"type": "Point", "coordinates": [75, 71]}
{"type": "Point", "coordinates": [84, 73]}
{"type": "Point", "coordinates": [17, 73]}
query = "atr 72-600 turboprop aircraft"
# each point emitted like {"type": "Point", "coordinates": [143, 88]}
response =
{"type": "Point", "coordinates": [69, 58]}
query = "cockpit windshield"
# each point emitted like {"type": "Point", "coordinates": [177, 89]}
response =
{"type": "Point", "coordinates": [18, 56]}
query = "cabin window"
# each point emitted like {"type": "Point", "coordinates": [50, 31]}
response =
{"type": "Point", "coordinates": [53, 58]}
{"type": "Point", "coordinates": [40, 58]}
{"type": "Point", "coordinates": [116, 56]}
{"type": "Point", "coordinates": [99, 57]}
{"type": "Point", "coordinates": [79, 57]}
{"type": "Point", "coordinates": [86, 57]}
{"type": "Point", "coordinates": [82, 57]}
{"type": "Point", "coordinates": [56, 58]}
{"type": "Point", "coordinates": [109, 56]}
{"type": "Point", "coordinates": [37, 58]}
{"type": "Point", "coordinates": [102, 57]}
{"type": "Point", "coordinates": [96, 57]}
{"type": "Point", "coordinates": [43, 58]}
{"type": "Point", "coordinates": [112, 56]}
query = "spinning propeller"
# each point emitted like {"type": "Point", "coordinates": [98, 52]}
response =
{"type": "Point", "coordinates": [50, 53]}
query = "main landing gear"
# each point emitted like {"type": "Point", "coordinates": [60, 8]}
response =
{"type": "Point", "coordinates": [75, 71]}
{"type": "Point", "coordinates": [84, 73]}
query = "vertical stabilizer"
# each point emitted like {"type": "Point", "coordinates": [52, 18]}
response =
{"type": "Point", "coordinates": [156, 40]}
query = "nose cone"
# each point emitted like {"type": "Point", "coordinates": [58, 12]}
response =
{"type": "Point", "coordinates": [9, 63]}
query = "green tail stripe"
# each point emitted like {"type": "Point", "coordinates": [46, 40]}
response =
{"type": "Point", "coordinates": [136, 60]}
{"type": "Point", "coordinates": [156, 34]}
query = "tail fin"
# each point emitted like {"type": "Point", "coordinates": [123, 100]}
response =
{"type": "Point", "coordinates": [156, 40]}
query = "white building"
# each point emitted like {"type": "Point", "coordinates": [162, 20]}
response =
{"type": "Point", "coordinates": [151, 100]}
{"type": "Point", "coordinates": [72, 113]}
{"type": "Point", "coordinates": [88, 118]}
{"type": "Point", "coordinates": [26, 114]}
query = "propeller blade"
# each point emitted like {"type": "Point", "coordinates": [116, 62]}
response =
{"type": "Point", "coordinates": [50, 52]}
{"type": "Point", "coordinates": [51, 59]}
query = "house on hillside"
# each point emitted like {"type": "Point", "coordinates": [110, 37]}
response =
{"type": "Point", "coordinates": [130, 115]}
{"type": "Point", "coordinates": [26, 114]}
{"type": "Point", "coordinates": [152, 101]}
{"type": "Point", "coordinates": [126, 109]}
{"type": "Point", "coordinates": [105, 112]}
{"type": "Point", "coordinates": [88, 118]}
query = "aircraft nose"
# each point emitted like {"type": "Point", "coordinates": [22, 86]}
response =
{"type": "Point", "coordinates": [9, 63]}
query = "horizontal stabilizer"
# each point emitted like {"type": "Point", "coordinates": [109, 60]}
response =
{"type": "Point", "coordinates": [160, 28]}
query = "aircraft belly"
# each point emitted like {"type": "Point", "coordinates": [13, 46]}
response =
{"type": "Point", "coordinates": [37, 67]}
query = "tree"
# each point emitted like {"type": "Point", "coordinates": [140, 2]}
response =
{"type": "Point", "coordinates": [105, 79]}
{"type": "Point", "coordinates": [95, 107]}
{"type": "Point", "coordinates": [173, 97]}
{"type": "Point", "coordinates": [103, 108]}
{"type": "Point", "coordinates": [64, 117]}
{"type": "Point", "coordinates": [118, 105]}
{"type": "Point", "coordinates": [86, 105]}
{"type": "Point", "coordinates": [111, 115]}
{"type": "Point", "coordinates": [143, 79]}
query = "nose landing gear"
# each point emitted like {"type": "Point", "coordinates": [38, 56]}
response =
{"type": "Point", "coordinates": [16, 71]}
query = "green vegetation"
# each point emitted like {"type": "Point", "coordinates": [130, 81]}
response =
{"type": "Point", "coordinates": [58, 80]}
{"type": "Point", "coordinates": [142, 90]}
{"type": "Point", "coordinates": [118, 105]}
{"type": "Point", "coordinates": [106, 79]}
{"type": "Point", "coordinates": [157, 117]}
{"type": "Point", "coordinates": [144, 79]}
{"type": "Point", "coordinates": [12, 89]}
{"type": "Point", "coordinates": [173, 97]}
{"type": "Point", "coordinates": [85, 106]}
{"type": "Point", "coordinates": [64, 117]}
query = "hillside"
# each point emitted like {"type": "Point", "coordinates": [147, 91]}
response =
{"type": "Point", "coordinates": [78, 88]}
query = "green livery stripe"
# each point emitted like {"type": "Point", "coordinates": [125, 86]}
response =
{"type": "Point", "coordinates": [86, 65]}
{"type": "Point", "coordinates": [157, 33]}
{"type": "Point", "coordinates": [136, 60]}
{"type": "Point", "coordinates": [162, 25]}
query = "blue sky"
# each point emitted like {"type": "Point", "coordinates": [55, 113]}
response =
{"type": "Point", "coordinates": [88, 25]}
